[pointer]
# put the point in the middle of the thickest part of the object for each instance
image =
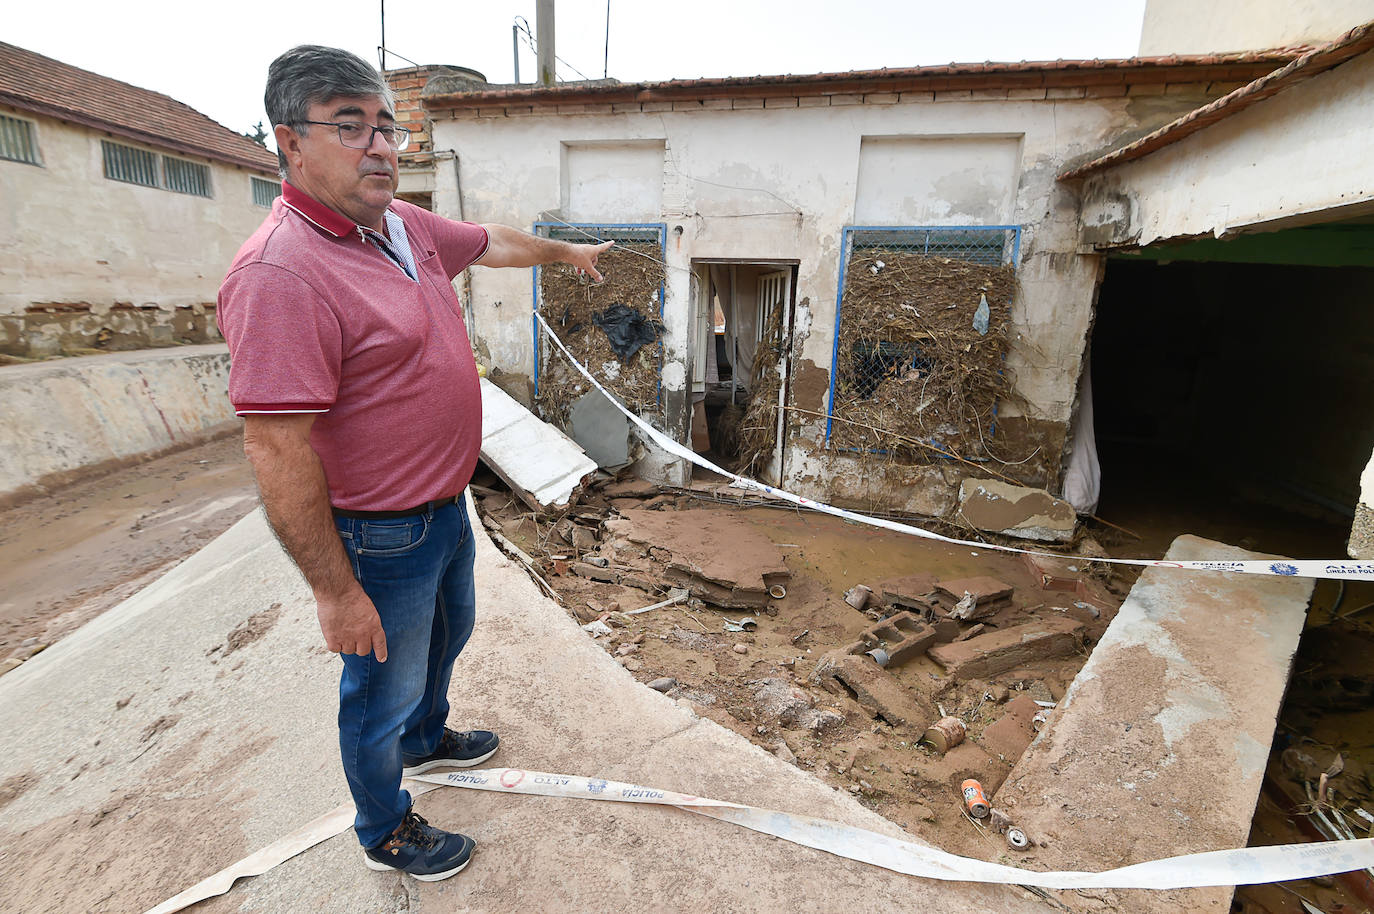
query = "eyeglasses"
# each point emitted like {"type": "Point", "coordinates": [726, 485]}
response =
{"type": "Point", "coordinates": [357, 135]}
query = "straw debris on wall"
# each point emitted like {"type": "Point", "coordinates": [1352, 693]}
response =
{"type": "Point", "coordinates": [912, 369]}
{"type": "Point", "coordinates": [568, 302]}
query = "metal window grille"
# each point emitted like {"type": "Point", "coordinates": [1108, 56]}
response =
{"type": "Point", "coordinates": [18, 142]}
{"type": "Point", "coordinates": [861, 363]}
{"type": "Point", "coordinates": [130, 164]}
{"type": "Point", "coordinates": [655, 234]}
{"type": "Point", "coordinates": [185, 177]}
{"type": "Point", "coordinates": [264, 192]}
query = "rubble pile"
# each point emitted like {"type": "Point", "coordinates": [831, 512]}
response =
{"type": "Point", "coordinates": [743, 614]}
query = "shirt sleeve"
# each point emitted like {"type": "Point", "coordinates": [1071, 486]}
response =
{"type": "Point", "coordinates": [285, 342]}
{"type": "Point", "coordinates": [459, 244]}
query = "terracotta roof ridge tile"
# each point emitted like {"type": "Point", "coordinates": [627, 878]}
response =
{"type": "Point", "coordinates": [47, 86]}
{"type": "Point", "coordinates": [1312, 62]}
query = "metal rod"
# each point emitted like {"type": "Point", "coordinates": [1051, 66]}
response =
{"type": "Point", "coordinates": [606, 57]}
{"type": "Point", "coordinates": [515, 49]}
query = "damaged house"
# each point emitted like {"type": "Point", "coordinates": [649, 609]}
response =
{"type": "Point", "coordinates": [882, 289]}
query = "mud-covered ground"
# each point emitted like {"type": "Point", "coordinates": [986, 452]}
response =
{"type": "Point", "coordinates": [759, 682]}
{"type": "Point", "coordinates": [70, 555]}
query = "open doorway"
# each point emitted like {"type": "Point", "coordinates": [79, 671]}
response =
{"type": "Point", "coordinates": [743, 321]}
{"type": "Point", "coordinates": [1232, 400]}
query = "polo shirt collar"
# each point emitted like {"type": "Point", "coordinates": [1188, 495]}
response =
{"type": "Point", "coordinates": [316, 213]}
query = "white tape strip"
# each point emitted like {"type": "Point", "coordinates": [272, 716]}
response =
{"type": "Point", "coordinates": [1243, 866]}
{"type": "Point", "coordinates": [1304, 568]}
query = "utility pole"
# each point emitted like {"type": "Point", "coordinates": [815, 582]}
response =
{"type": "Point", "coordinates": [543, 11]}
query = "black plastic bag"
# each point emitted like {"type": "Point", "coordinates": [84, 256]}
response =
{"type": "Point", "coordinates": [627, 329]}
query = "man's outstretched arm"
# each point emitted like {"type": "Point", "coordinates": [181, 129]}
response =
{"type": "Point", "coordinates": [295, 496]}
{"type": "Point", "coordinates": [508, 247]}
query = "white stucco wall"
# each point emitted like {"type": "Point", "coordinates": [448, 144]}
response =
{"type": "Point", "coordinates": [1189, 27]}
{"type": "Point", "coordinates": [1302, 155]}
{"type": "Point", "coordinates": [782, 182]}
{"type": "Point", "coordinates": [69, 235]}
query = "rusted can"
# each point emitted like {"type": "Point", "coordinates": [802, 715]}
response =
{"type": "Point", "coordinates": [974, 799]}
{"type": "Point", "coordinates": [945, 734]}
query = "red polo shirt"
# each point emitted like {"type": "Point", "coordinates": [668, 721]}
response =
{"type": "Point", "coordinates": [319, 320]}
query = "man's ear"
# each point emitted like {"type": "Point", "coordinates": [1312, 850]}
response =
{"type": "Point", "coordinates": [289, 143]}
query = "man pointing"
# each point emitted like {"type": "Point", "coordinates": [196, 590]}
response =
{"type": "Point", "coordinates": [362, 419]}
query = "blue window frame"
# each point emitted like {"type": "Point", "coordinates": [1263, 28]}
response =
{"type": "Point", "coordinates": [655, 233]}
{"type": "Point", "coordinates": [855, 375]}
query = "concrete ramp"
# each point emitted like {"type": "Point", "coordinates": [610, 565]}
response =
{"type": "Point", "coordinates": [195, 724]}
{"type": "Point", "coordinates": [1161, 741]}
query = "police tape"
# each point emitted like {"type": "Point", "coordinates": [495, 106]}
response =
{"type": "Point", "coordinates": [1335, 569]}
{"type": "Point", "coordinates": [1241, 866]}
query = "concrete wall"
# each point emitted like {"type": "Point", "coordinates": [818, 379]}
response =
{"type": "Point", "coordinates": [745, 179]}
{"type": "Point", "coordinates": [1189, 27]}
{"type": "Point", "coordinates": [1361, 544]}
{"type": "Point", "coordinates": [69, 416]}
{"type": "Point", "coordinates": [1300, 156]}
{"type": "Point", "coordinates": [80, 253]}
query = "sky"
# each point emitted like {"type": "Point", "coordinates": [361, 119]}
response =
{"type": "Point", "coordinates": [214, 57]}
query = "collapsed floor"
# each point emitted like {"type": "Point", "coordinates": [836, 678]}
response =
{"type": "Point", "coordinates": [777, 622]}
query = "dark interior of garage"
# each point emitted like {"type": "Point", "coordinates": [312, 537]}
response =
{"type": "Point", "coordinates": [1234, 400]}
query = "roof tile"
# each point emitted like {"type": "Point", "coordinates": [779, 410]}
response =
{"type": "Point", "coordinates": [46, 86]}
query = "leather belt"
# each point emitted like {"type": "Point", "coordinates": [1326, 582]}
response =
{"type": "Point", "coordinates": [427, 508]}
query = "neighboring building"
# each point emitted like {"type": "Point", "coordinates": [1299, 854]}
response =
{"type": "Point", "coordinates": [1189, 27]}
{"type": "Point", "coordinates": [122, 209]}
{"type": "Point", "coordinates": [420, 163]}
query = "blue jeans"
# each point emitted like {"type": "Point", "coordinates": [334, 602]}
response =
{"type": "Point", "coordinates": [417, 570]}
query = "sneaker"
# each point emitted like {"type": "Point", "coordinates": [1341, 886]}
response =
{"type": "Point", "coordinates": [418, 848]}
{"type": "Point", "coordinates": [457, 749]}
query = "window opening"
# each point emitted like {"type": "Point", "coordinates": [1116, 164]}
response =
{"type": "Point", "coordinates": [185, 177]}
{"type": "Point", "coordinates": [917, 369]}
{"type": "Point", "coordinates": [18, 140]}
{"type": "Point", "coordinates": [264, 191]}
{"type": "Point", "coordinates": [129, 164]}
{"type": "Point", "coordinates": [615, 328]}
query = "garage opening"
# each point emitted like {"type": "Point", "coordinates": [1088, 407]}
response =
{"type": "Point", "coordinates": [743, 317]}
{"type": "Point", "coordinates": [1233, 400]}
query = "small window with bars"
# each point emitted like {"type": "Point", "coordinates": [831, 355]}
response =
{"type": "Point", "coordinates": [264, 192]}
{"type": "Point", "coordinates": [130, 164]}
{"type": "Point", "coordinates": [185, 177]}
{"type": "Point", "coordinates": [18, 140]}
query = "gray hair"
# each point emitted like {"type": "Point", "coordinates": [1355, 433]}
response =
{"type": "Point", "coordinates": [310, 74]}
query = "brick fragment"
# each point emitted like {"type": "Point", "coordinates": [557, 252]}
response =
{"type": "Point", "coordinates": [1005, 649]}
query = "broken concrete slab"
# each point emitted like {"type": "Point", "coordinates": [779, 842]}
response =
{"type": "Point", "coordinates": [998, 651]}
{"type": "Point", "coordinates": [720, 559]}
{"type": "Point", "coordinates": [601, 429]}
{"type": "Point", "coordinates": [1011, 510]}
{"type": "Point", "coordinates": [1160, 744]}
{"type": "Point", "coordinates": [984, 589]}
{"type": "Point", "coordinates": [876, 690]}
{"type": "Point", "coordinates": [971, 599]}
{"type": "Point", "coordinates": [541, 464]}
